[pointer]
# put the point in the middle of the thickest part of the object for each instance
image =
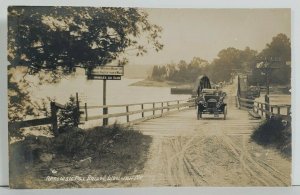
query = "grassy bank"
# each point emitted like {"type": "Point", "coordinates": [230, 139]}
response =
{"type": "Point", "coordinates": [99, 152]}
{"type": "Point", "coordinates": [275, 133]}
{"type": "Point", "coordinates": [152, 83]}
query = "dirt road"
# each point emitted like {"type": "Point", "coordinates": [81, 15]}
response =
{"type": "Point", "coordinates": [210, 152]}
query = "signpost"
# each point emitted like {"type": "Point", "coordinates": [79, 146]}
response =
{"type": "Point", "coordinates": [267, 65]}
{"type": "Point", "coordinates": [105, 73]}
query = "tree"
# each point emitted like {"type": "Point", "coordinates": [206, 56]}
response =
{"type": "Point", "coordinates": [58, 39]}
{"type": "Point", "coordinates": [198, 62]}
{"type": "Point", "coordinates": [54, 41]}
{"type": "Point", "coordinates": [280, 47]}
{"type": "Point", "coordinates": [222, 67]}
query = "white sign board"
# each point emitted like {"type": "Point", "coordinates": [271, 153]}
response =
{"type": "Point", "coordinates": [108, 70]}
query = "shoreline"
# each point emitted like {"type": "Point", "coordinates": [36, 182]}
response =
{"type": "Point", "coordinates": [152, 83]}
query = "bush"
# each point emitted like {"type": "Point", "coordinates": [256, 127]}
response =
{"type": "Point", "coordinates": [68, 117]}
{"type": "Point", "coordinates": [274, 132]}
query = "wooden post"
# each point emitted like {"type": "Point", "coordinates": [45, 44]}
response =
{"type": "Point", "coordinates": [162, 108]}
{"type": "Point", "coordinates": [142, 107]}
{"type": "Point", "coordinates": [278, 110]}
{"type": "Point", "coordinates": [262, 109]}
{"type": "Point", "coordinates": [153, 108]}
{"type": "Point", "coordinates": [86, 111]}
{"type": "Point", "coordinates": [127, 116]}
{"type": "Point", "coordinates": [54, 118]}
{"type": "Point", "coordinates": [288, 112]}
{"type": "Point", "coordinates": [105, 111]}
{"type": "Point", "coordinates": [77, 111]}
{"type": "Point", "coordinates": [272, 109]}
{"type": "Point", "coordinates": [168, 106]}
{"type": "Point", "coordinates": [267, 101]}
{"type": "Point", "coordinates": [178, 104]}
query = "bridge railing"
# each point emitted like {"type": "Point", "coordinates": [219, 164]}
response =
{"type": "Point", "coordinates": [264, 109]}
{"type": "Point", "coordinates": [151, 109]}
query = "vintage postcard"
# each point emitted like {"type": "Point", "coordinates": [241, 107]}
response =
{"type": "Point", "coordinates": [136, 97]}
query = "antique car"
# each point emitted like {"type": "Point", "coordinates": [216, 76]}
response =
{"type": "Point", "coordinates": [211, 101]}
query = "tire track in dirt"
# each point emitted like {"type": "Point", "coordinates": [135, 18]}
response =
{"type": "Point", "coordinates": [263, 175]}
{"type": "Point", "coordinates": [179, 169]}
{"type": "Point", "coordinates": [241, 157]}
{"type": "Point", "coordinates": [268, 168]}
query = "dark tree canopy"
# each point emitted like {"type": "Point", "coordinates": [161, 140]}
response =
{"type": "Point", "coordinates": [230, 60]}
{"type": "Point", "coordinates": [280, 47]}
{"type": "Point", "coordinates": [62, 38]}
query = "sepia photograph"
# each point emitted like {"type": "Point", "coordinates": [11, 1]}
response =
{"type": "Point", "coordinates": [110, 97]}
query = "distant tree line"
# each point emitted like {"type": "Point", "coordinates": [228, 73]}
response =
{"type": "Point", "coordinates": [181, 72]}
{"type": "Point", "coordinates": [230, 61]}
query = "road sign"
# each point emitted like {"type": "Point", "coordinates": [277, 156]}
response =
{"type": "Point", "coordinates": [104, 77]}
{"type": "Point", "coordinates": [105, 73]}
{"type": "Point", "coordinates": [108, 70]}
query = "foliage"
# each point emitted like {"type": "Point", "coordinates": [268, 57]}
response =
{"type": "Point", "coordinates": [279, 48]}
{"type": "Point", "coordinates": [230, 60]}
{"type": "Point", "coordinates": [51, 42]}
{"type": "Point", "coordinates": [58, 39]}
{"type": "Point", "coordinates": [68, 117]}
{"type": "Point", "coordinates": [181, 72]}
{"type": "Point", "coordinates": [19, 103]}
{"type": "Point", "coordinates": [114, 150]}
{"type": "Point", "coordinates": [276, 133]}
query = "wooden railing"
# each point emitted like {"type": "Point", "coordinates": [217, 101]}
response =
{"type": "Point", "coordinates": [264, 109]}
{"type": "Point", "coordinates": [54, 106]}
{"type": "Point", "coordinates": [157, 109]}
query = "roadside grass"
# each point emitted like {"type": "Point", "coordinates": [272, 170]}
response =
{"type": "Point", "coordinates": [116, 151]}
{"type": "Point", "coordinates": [275, 133]}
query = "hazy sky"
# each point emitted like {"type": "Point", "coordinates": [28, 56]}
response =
{"type": "Point", "coordinates": [204, 32]}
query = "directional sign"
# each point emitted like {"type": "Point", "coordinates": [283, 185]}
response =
{"type": "Point", "coordinates": [104, 77]}
{"type": "Point", "coordinates": [108, 70]}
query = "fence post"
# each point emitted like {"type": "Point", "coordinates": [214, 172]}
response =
{"type": "Point", "coordinates": [162, 108]}
{"type": "Point", "coordinates": [278, 110]}
{"type": "Point", "coordinates": [105, 112]}
{"type": "Point", "coordinates": [272, 109]}
{"type": "Point", "coordinates": [178, 104]}
{"type": "Point", "coordinates": [267, 101]}
{"type": "Point", "coordinates": [153, 109]}
{"type": "Point", "coordinates": [77, 111]}
{"type": "Point", "coordinates": [142, 107]}
{"type": "Point", "coordinates": [54, 118]}
{"type": "Point", "coordinates": [262, 109]}
{"type": "Point", "coordinates": [168, 106]}
{"type": "Point", "coordinates": [127, 116]}
{"type": "Point", "coordinates": [86, 111]}
{"type": "Point", "coordinates": [288, 111]}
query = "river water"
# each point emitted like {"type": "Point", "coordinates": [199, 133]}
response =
{"type": "Point", "coordinates": [91, 92]}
